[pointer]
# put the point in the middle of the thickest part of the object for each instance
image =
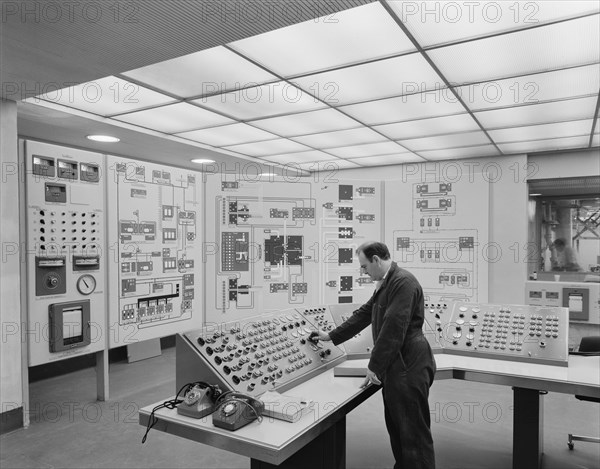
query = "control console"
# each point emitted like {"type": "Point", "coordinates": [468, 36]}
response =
{"type": "Point", "coordinates": [267, 352]}
{"type": "Point", "coordinates": [512, 332]}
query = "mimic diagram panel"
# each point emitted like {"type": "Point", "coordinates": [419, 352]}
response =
{"type": "Point", "coordinates": [276, 244]}
{"type": "Point", "coordinates": [66, 255]}
{"type": "Point", "coordinates": [256, 354]}
{"type": "Point", "coordinates": [535, 334]}
{"type": "Point", "coordinates": [350, 213]}
{"type": "Point", "coordinates": [155, 237]}
{"type": "Point", "coordinates": [439, 231]}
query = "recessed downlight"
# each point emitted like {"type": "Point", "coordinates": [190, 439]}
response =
{"type": "Point", "coordinates": [202, 160]}
{"type": "Point", "coordinates": [103, 138]}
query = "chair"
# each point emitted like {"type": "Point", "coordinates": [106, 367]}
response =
{"type": "Point", "coordinates": [589, 345]}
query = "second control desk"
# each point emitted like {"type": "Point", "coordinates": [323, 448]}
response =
{"type": "Point", "coordinates": [527, 380]}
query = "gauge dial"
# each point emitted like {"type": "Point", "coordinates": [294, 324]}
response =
{"type": "Point", "coordinates": [86, 284]}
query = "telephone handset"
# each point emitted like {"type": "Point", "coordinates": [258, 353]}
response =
{"type": "Point", "coordinates": [235, 410]}
{"type": "Point", "coordinates": [199, 400]}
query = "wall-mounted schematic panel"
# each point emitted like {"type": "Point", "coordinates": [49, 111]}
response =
{"type": "Point", "coordinates": [66, 252]}
{"type": "Point", "coordinates": [349, 214]}
{"type": "Point", "coordinates": [278, 243]}
{"type": "Point", "coordinates": [439, 231]}
{"type": "Point", "coordinates": [155, 239]}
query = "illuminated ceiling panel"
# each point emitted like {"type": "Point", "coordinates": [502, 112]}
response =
{"type": "Point", "coordinates": [446, 141]}
{"type": "Point", "coordinates": [331, 166]}
{"type": "Point", "coordinates": [174, 118]}
{"type": "Point", "coordinates": [312, 122]}
{"type": "Point", "coordinates": [430, 126]}
{"type": "Point", "coordinates": [341, 138]}
{"type": "Point", "coordinates": [543, 131]}
{"type": "Point", "coordinates": [210, 71]}
{"type": "Point", "coordinates": [262, 101]}
{"type": "Point", "coordinates": [269, 147]}
{"type": "Point", "coordinates": [407, 74]}
{"type": "Point", "coordinates": [405, 108]}
{"type": "Point", "coordinates": [363, 33]}
{"type": "Point", "coordinates": [298, 158]}
{"type": "Point", "coordinates": [529, 51]}
{"type": "Point", "coordinates": [532, 89]}
{"type": "Point", "coordinates": [371, 149]}
{"type": "Point", "coordinates": [233, 134]}
{"type": "Point", "coordinates": [107, 96]}
{"type": "Point", "coordinates": [436, 23]}
{"type": "Point", "coordinates": [458, 153]}
{"type": "Point", "coordinates": [573, 109]}
{"type": "Point", "coordinates": [544, 145]}
{"type": "Point", "coordinates": [388, 159]}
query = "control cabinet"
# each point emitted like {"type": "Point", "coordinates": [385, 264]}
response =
{"type": "Point", "coordinates": [512, 332]}
{"type": "Point", "coordinates": [582, 299]}
{"type": "Point", "coordinates": [66, 252]}
{"type": "Point", "coordinates": [265, 352]}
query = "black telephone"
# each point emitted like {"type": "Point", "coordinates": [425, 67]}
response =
{"type": "Point", "coordinates": [235, 410]}
{"type": "Point", "coordinates": [199, 400]}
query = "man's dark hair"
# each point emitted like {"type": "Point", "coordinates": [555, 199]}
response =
{"type": "Point", "coordinates": [560, 242]}
{"type": "Point", "coordinates": [371, 249]}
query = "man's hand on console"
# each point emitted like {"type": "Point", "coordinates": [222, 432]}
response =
{"type": "Point", "coordinates": [315, 336]}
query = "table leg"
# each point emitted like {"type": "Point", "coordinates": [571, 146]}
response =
{"type": "Point", "coordinates": [528, 434]}
{"type": "Point", "coordinates": [102, 387]}
{"type": "Point", "coordinates": [327, 451]}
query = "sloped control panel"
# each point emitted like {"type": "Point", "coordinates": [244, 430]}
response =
{"type": "Point", "coordinates": [253, 355]}
{"type": "Point", "coordinates": [510, 332]}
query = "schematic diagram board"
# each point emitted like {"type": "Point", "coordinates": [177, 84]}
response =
{"type": "Point", "coordinates": [439, 231]}
{"type": "Point", "coordinates": [349, 214]}
{"type": "Point", "coordinates": [155, 238]}
{"type": "Point", "coordinates": [278, 243]}
{"type": "Point", "coordinates": [66, 256]}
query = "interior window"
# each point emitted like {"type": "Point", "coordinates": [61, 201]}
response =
{"type": "Point", "coordinates": [565, 226]}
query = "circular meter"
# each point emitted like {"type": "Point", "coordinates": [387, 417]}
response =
{"type": "Point", "coordinates": [86, 284]}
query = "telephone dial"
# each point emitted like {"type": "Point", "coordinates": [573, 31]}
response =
{"type": "Point", "coordinates": [234, 410]}
{"type": "Point", "coordinates": [199, 399]}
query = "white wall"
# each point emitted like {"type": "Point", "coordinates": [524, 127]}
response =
{"type": "Point", "coordinates": [10, 285]}
{"type": "Point", "coordinates": [565, 165]}
{"type": "Point", "coordinates": [506, 253]}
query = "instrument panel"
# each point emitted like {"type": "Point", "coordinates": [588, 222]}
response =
{"type": "Point", "coordinates": [257, 354]}
{"type": "Point", "coordinates": [512, 332]}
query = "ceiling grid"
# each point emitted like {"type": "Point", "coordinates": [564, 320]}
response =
{"type": "Point", "coordinates": [365, 84]}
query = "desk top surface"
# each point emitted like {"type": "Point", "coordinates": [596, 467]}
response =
{"type": "Point", "coordinates": [583, 372]}
{"type": "Point", "coordinates": [274, 440]}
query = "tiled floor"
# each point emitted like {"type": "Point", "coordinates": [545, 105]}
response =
{"type": "Point", "coordinates": [472, 426]}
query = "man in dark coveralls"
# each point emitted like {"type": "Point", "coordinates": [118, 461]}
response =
{"type": "Point", "coordinates": [401, 359]}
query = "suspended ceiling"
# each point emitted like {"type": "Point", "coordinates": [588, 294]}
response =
{"type": "Point", "coordinates": [355, 84]}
